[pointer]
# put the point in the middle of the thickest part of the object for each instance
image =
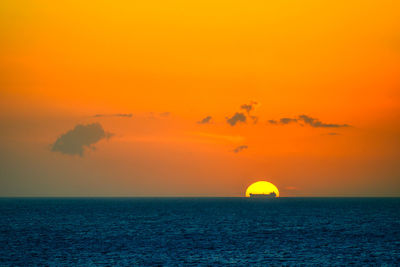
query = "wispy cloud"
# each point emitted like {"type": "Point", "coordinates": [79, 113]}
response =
{"type": "Point", "coordinates": [317, 123]}
{"type": "Point", "coordinates": [240, 148]}
{"type": "Point", "coordinates": [205, 120]}
{"type": "Point", "coordinates": [237, 117]}
{"type": "Point", "coordinates": [127, 115]}
{"type": "Point", "coordinates": [76, 140]}
{"type": "Point", "coordinates": [307, 120]}
{"type": "Point", "coordinates": [248, 108]}
{"type": "Point", "coordinates": [287, 120]}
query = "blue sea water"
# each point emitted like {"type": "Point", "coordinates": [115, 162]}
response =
{"type": "Point", "coordinates": [199, 231]}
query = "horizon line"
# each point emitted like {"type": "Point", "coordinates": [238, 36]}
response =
{"type": "Point", "coordinates": [195, 196]}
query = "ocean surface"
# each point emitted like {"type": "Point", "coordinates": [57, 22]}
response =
{"type": "Point", "coordinates": [199, 231]}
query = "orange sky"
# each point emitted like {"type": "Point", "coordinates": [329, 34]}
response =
{"type": "Point", "coordinates": [172, 63]}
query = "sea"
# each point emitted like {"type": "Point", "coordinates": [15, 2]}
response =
{"type": "Point", "coordinates": [199, 232]}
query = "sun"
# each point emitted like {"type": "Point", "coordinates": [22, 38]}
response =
{"type": "Point", "coordinates": [261, 187]}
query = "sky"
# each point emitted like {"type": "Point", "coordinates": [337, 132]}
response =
{"type": "Point", "coordinates": [199, 98]}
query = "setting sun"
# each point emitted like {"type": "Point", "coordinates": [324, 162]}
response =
{"type": "Point", "coordinates": [262, 187]}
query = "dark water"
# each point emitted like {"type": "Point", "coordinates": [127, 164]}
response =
{"type": "Point", "coordinates": [206, 231]}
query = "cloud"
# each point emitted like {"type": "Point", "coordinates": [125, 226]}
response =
{"type": "Point", "coordinates": [241, 116]}
{"type": "Point", "coordinates": [238, 117]}
{"type": "Point", "coordinates": [313, 122]}
{"type": "Point", "coordinates": [127, 115]}
{"type": "Point", "coordinates": [249, 107]}
{"type": "Point", "coordinates": [316, 123]}
{"type": "Point", "coordinates": [287, 120]}
{"type": "Point", "coordinates": [240, 148]}
{"type": "Point", "coordinates": [246, 107]}
{"type": "Point", "coordinates": [74, 141]}
{"type": "Point", "coordinates": [205, 120]}
{"type": "Point", "coordinates": [283, 121]}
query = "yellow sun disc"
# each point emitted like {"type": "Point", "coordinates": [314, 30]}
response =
{"type": "Point", "coordinates": [261, 187]}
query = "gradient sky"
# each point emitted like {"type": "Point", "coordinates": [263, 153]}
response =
{"type": "Point", "coordinates": [199, 98]}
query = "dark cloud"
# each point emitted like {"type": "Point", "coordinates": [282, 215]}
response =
{"type": "Point", "coordinates": [74, 141]}
{"type": "Point", "coordinates": [240, 148]}
{"type": "Point", "coordinates": [313, 122]}
{"type": "Point", "coordinates": [283, 121]}
{"type": "Point", "coordinates": [246, 107]}
{"type": "Point", "coordinates": [127, 115]}
{"type": "Point", "coordinates": [241, 116]}
{"type": "Point", "coordinates": [205, 120]}
{"type": "Point", "coordinates": [238, 117]}
{"type": "Point", "coordinates": [287, 120]}
{"type": "Point", "coordinates": [317, 123]}
{"type": "Point", "coordinates": [249, 107]}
